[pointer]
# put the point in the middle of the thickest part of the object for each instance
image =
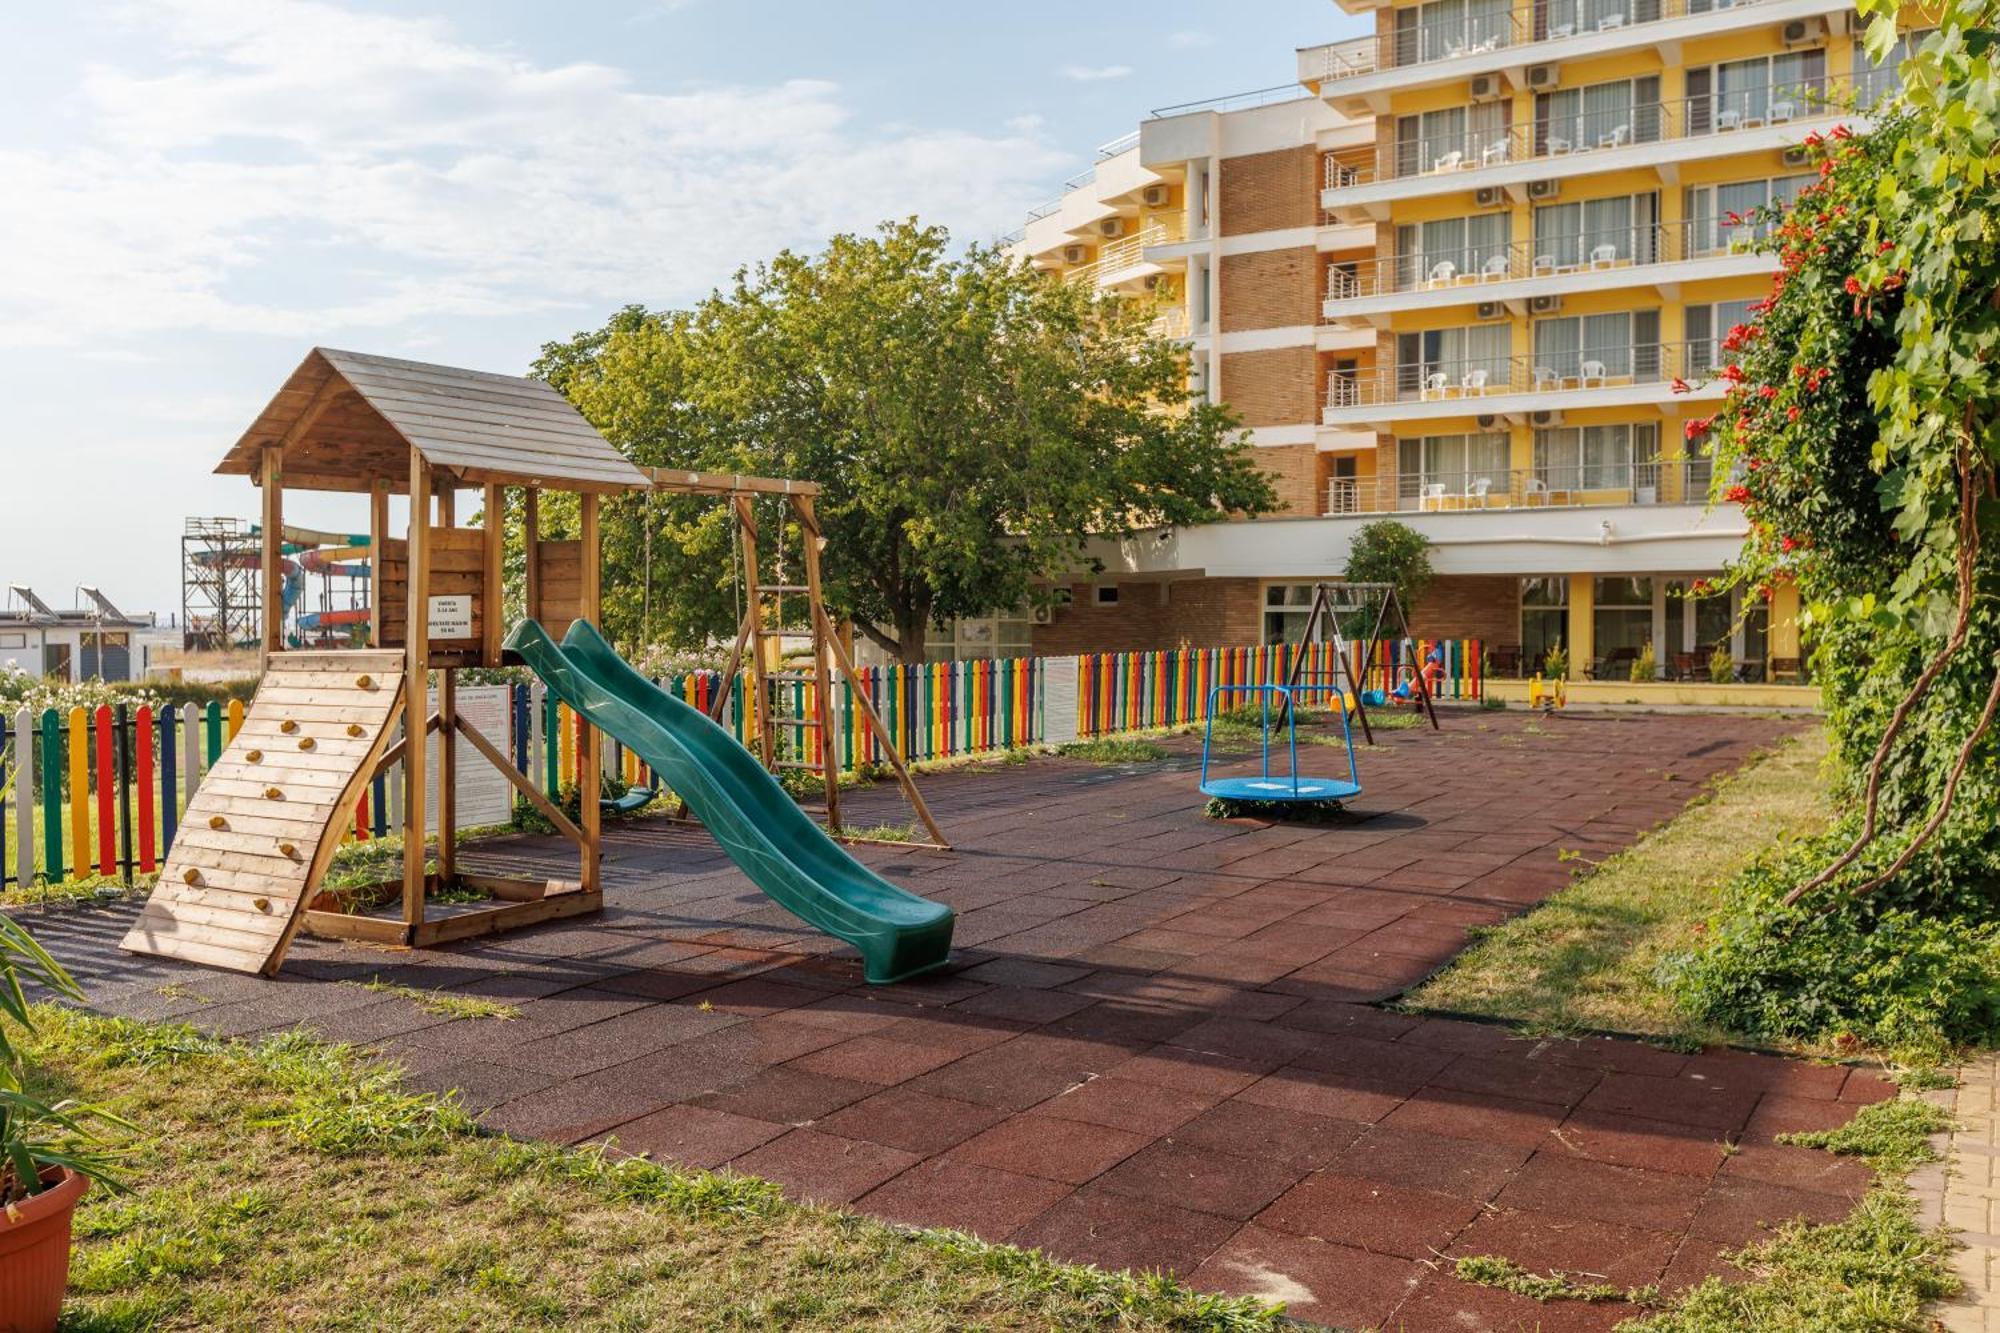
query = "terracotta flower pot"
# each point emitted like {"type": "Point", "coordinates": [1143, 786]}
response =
{"type": "Point", "coordinates": [34, 1254]}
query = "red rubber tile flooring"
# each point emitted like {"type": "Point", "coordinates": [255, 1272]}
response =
{"type": "Point", "coordinates": [1156, 1046]}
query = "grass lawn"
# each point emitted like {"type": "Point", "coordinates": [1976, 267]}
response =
{"type": "Point", "coordinates": [291, 1185]}
{"type": "Point", "coordinates": [1585, 959]}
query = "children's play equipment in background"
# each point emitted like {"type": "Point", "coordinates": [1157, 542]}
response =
{"type": "Point", "coordinates": [222, 593]}
{"type": "Point", "coordinates": [244, 876]}
{"type": "Point", "coordinates": [1547, 695]}
{"type": "Point", "coordinates": [1377, 609]}
{"type": "Point", "coordinates": [1290, 785]}
{"type": "Point", "coordinates": [1414, 685]}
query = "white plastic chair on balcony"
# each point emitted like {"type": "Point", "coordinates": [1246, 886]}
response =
{"type": "Point", "coordinates": [1742, 239]}
{"type": "Point", "coordinates": [1448, 161]}
{"type": "Point", "coordinates": [1536, 492]}
{"type": "Point", "coordinates": [1494, 269]}
{"type": "Point", "coordinates": [1433, 496]}
{"type": "Point", "coordinates": [1546, 379]}
{"type": "Point", "coordinates": [1477, 491]}
{"type": "Point", "coordinates": [1730, 119]}
{"type": "Point", "coordinates": [1443, 273]}
{"type": "Point", "coordinates": [1562, 30]}
{"type": "Point", "coordinates": [1557, 145]}
{"type": "Point", "coordinates": [1610, 21]}
{"type": "Point", "coordinates": [1783, 110]}
{"type": "Point", "coordinates": [1434, 385]}
{"type": "Point", "coordinates": [1603, 256]}
{"type": "Point", "coordinates": [1544, 264]}
{"type": "Point", "coordinates": [1619, 136]}
{"type": "Point", "coordinates": [1493, 153]}
{"type": "Point", "coordinates": [1588, 371]}
{"type": "Point", "coordinates": [1473, 382]}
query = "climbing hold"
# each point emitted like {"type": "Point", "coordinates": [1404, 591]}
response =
{"type": "Point", "coordinates": [306, 742]}
{"type": "Point", "coordinates": [273, 794]}
{"type": "Point", "coordinates": [191, 875]}
{"type": "Point", "coordinates": [287, 849]}
{"type": "Point", "coordinates": [355, 729]}
{"type": "Point", "coordinates": [288, 726]}
{"type": "Point", "coordinates": [255, 756]}
{"type": "Point", "coordinates": [263, 904]}
{"type": "Point", "coordinates": [217, 822]}
{"type": "Point", "coordinates": [364, 682]}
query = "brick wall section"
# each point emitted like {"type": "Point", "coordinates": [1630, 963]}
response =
{"type": "Point", "coordinates": [1196, 613]}
{"type": "Point", "coordinates": [1270, 191]}
{"type": "Point", "coordinates": [1273, 388]}
{"type": "Point", "coordinates": [1272, 289]}
{"type": "Point", "coordinates": [1294, 470]}
{"type": "Point", "coordinates": [1471, 606]}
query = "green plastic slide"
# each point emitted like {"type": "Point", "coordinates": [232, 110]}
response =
{"type": "Point", "coordinates": [775, 843]}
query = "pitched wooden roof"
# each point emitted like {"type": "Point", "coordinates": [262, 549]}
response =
{"type": "Point", "coordinates": [346, 420]}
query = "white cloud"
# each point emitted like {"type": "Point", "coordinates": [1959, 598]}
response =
{"type": "Point", "coordinates": [1094, 73]}
{"type": "Point", "coordinates": [1188, 39]}
{"type": "Point", "coordinates": [293, 168]}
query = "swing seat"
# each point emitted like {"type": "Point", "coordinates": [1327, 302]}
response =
{"type": "Point", "coordinates": [1280, 789]}
{"type": "Point", "coordinates": [635, 798]}
{"type": "Point", "coordinates": [1374, 698]}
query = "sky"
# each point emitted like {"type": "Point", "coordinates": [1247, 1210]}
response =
{"type": "Point", "coordinates": [193, 193]}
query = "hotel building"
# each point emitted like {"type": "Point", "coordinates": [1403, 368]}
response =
{"type": "Point", "coordinates": [1473, 271]}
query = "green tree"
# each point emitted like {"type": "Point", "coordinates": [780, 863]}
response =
{"type": "Point", "coordinates": [1386, 551]}
{"type": "Point", "coordinates": [974, 425]}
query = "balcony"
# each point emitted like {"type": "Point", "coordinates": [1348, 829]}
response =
{"type": "Point", "coordinates": [1552, 486]}
{"type": "Point", "coordinates": [1521, 159]}
{"type": "Point", "coordinates": [1357, 74]}
{"type": "Point", "coordinates": [1640, 375]}
{"type": "Point", "coordinates": [1517, 272]}
{"type": "Point", "coordinates": [1125, 259]}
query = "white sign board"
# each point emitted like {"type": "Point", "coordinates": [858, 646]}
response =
{"type": "Point", "coordinates": [1059, 700]}
{"type": "Point", "coordinates": [484, 795]}
{"type": "Point", "coordinates": [449, 618]}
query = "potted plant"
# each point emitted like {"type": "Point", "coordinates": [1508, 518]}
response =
{"type": "Point", "coordinates": [1555, 663]}
{"type": "Point", "coordinates": [1645, 666]}
{"type": "Point", "coordinates": [1721, 666]}
{"type": "Point", "coordinates": [49, 1151]}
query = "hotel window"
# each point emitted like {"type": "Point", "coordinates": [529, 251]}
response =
{"type": "Point", "coordinates": [1544, 619]}
{"type": "Point", "coordinates": [1451, 136]}
{"type": "Point", "coordinates": [1603, 115]}
{"type": "Point", "coordinates": [1569, 459]}
{"type": "Point", "coordinates": [1621, 615]}
{"type": "Point", "coordinates": [1467, 244]}
{"type": "Point", "coordinates": [1566, 18]}
{"type": "Point", "coordinates": [1764, 90]}
{"type": "Point", "coordinates": [1623, 228]}
{"type": "Point", "coordinates": [1446, 28]}
{"type": "Point", "coordinates": [1458, 463]}
{"type": "Point", "coordinates": [1287, 608]}
{"type": "Point", "coordinates": [1708, 328]}
{"type": "Point", "coordinates": [1482, 350]}
{"type": "Point", "coordinates": [1586, 348]}
{"type": "Point", "coordinates": [1709, 208]}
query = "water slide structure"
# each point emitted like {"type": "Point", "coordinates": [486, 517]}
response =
{"type": "Point", "coordinates": [785, 854]}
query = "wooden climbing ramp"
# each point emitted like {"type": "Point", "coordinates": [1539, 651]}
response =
{"type": "Point", "coordinates": [259, 833]}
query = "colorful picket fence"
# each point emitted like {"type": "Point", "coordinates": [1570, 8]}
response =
{"type": "Point", "coordinates": [101, 793]}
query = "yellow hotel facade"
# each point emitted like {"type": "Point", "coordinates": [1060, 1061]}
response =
{"type": "Point", "coordinates": [1474, 271]}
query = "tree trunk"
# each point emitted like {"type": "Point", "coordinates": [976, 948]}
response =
{"type": "Point", "coordinates": [910, 640]}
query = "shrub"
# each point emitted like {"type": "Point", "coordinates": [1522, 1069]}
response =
{"type": "Point", "coordinates": [1645, 666]}
{"type": "Point", "coordinates": [1555, 663]}
{"type": "Point", "coordinates": [1721, 666]}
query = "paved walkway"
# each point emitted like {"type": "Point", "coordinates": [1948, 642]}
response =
{"type": "Point", "coordinates": [1963, 1192]}
{"type": "Point", "coordinates": [1155, 1048]}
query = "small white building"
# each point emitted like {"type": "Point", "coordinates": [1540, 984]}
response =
{"type": "Point", "coordinates": [98, 642]}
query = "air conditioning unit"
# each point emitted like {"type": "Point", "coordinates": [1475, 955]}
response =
{"type": "Point", "coordinates": [1486, 88]}
{"type": "Point", "coordinates": [1043, 615]}
{"type": "Point", "coordinates": [1155, 196]}
{"type": "Point", "coordinates": [1491, 310]}
{"type": "Point", "coordinates": [1489, 196]}
{"type": "Point", "coordinates": [1487, 421]}
{"type": "Point", "coordinates": [1544, 189]}
{"type": "Point", "coordinates": [1075, 254]}
{"type": "Point", "coordinates": [1544, 305]}
{"type": "Point", "coordinates": [1798, 157]}
{"type": "Point", "coordinates": [1543, 76]}
{"type": "Point", "coordinates": [1800, 31]}
{"type": "Point", "coordinates": [1154, 281]}
{"type": "Point", "coordinates": [1545, 418]}
{"type": "Point", "coordinates": [1111, 227]}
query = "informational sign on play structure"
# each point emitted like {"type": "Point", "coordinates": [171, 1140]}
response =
{"type": "Point", "coordinates": [484, 796]}
{"type": "Point", "coordinates": [449, 618]}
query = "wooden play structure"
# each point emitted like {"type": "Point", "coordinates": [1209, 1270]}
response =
{"type": "Point", "coordinates": [244, 875]}
{"type": "Point", "coordinates": [1331, 601]}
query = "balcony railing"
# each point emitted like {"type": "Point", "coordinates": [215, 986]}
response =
{"type": "Point", "coordinates": [1471, 34]}
{"type": "Point", "coordinates": [1552, 485]}
{"type": "Point", "coordinates": [1566, 135]}
{"type": "Point", "coordinates": [1468, 268]}
{"type": "Point", "coordinates": [1471, 379]}
{"type": "Point", "coordinates": [1126, 252]}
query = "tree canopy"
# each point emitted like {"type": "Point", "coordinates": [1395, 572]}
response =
{"type": "Point", "coordinates": [974, 425]}
{"type": "Point", "coordinates": [1386, 551]}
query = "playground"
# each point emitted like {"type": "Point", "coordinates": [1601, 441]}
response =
{"type": "Point", "coordinates": [1135, 1016]}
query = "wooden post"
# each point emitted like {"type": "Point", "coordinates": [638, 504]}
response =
{"type": "Point", "coordinates": [490, 600]}
{"type": "Point", "coordinates": [588, 762]}
{"type": "Point", "coordinates": [531, 548]}
{"type": "Point", "coordinates": [273, 482]}
{"type": "Point", "coordinates": [416, 715]}
{"type": "Point", "coordinates": [822, 659]}
{"type": "Point", "coordinates": [759, 717]}
{"type": "Point", "coordinates": [378, 555]}
{"type": "Point", "coordinates": [447, 809]}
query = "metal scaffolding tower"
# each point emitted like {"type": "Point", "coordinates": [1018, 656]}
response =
{"type": "Point", "coordinates": [221, 592]}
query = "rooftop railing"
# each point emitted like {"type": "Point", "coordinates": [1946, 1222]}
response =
{"type": "Point", "coordinates": [1545, 486]}
{"type": "Point", "coordinates": [1566, 134]}
{"type": "Point", "coordinates": [1471, 34]}
{"type": "Point", "coordinates": [1468, 268]}
{"type": "Point", "coordinates": [1256, 97]}
{"type": "Point", "coordinates": [1472, 379]}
